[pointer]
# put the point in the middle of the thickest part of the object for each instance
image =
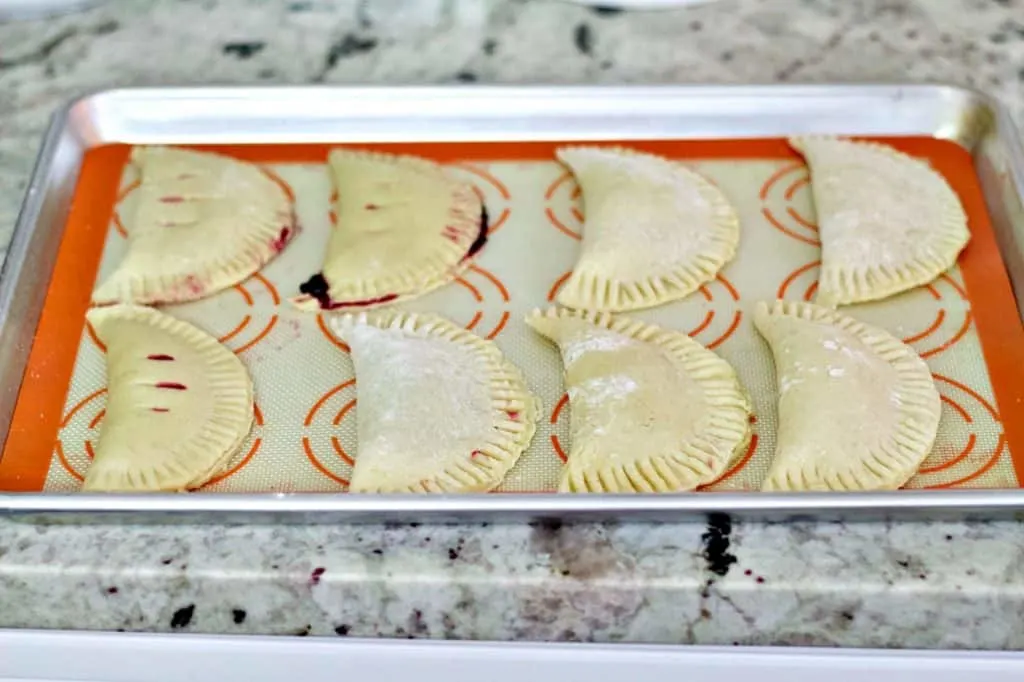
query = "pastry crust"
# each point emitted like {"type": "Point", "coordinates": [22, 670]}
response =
{"type": "Point", "coordinates": [403, 228]}
{"type": "Point", "coordinates": [858, 409]}
{"type": "Point", "coordinates": [888, 222]}
{"type": "Point", "coordinates": [654, 230]}
{"type": "Point", "coordinates": [179, 404]}
{"type": "Point", "coordinates": [440, 409]}
{"type": "Point", "coordinates": [652, 409]}
{"type": "Point", "coordinates": [202, 223]}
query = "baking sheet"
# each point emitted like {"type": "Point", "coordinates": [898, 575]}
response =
{"type": "Point", "coordinates": [305, 432]}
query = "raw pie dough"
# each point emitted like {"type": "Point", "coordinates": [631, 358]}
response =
{"type": "Point", "coordinates": [440, 410]}
{"type": "Point", "coordinates": [654, 230]}
{"type": "Point", "coordinates": [179, 404]}
{"type": "Point", "coordinates": [652, 409]}
{"type": "Point", "coordinates": [202, 223]}
{"type": "Point", "coordinates": [858, 409]}
{"type": "Point", "coordinates": [888, 222]}
{"type": "Point", "coordinates": [402, 228]}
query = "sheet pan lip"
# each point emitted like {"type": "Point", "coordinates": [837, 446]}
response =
{"type": "Point", "coordinates": [536, 504]}
{"type": "Point", "coordinates": [517, 89]}
{"type": "Point", "coordinates": [29, 212]}
{"type": "Point", "coordinates": [536, 90]}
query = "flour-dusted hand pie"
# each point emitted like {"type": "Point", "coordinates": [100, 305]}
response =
{"type": "Point", "coordinates": [201, 223]}
{"type": "Point", "coordinates": [888, 222]}
{"type": "Point", "coordinates": [858, 409]}
{"type": "Point", "coordinates": [179, 404]}
{"type": "Point", "coordinates": [402, 228]}
{"type": "Point", "coordinates": [440, 410]}
{"type": "Point", "coordinates": [654, 230]}
{"type": "Point", "coordinates": [652, 409]}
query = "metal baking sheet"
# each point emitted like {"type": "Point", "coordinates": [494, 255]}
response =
{"type": "Point", "coordinates": [502, 139]}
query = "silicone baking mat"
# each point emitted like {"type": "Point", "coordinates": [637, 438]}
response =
{"type": "Point", "coordinates": [965, 324]}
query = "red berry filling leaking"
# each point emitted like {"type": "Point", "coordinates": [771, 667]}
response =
{"type": "Point", "coordinates": [172, 200]}
{"type": "Point", "coordinates": [512, 414]}
{"type": "Point", "coordinates": [317, 287]}
{"type": "Point", "coordinates": [172, 385]}
{"type": "Point", "coordinates": [160, 357]}
{"type": "Point", "coordinates": [334, 305]}
{"type": "Point", "coordinates": [159, 409]}
{"type": "Point", "coordinates": [282, 240]}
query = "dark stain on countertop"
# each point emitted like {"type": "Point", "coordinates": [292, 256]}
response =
{"type": "Point", "coordinates": [346, 47]}
{"type": "Point", "coordinates": [716, 544]}
{"type": "Point", "coordinates": [349, 45]}
{"type": "Point", "coordinates": [238, 616]}
{"type": "Point", "coordinates": [605, 10]}
{"type": "Point", "coordinates": [583, 36]}
{"type": "Point", "coordinates": [243, 50]}
{"type": "Point", "coordinates": [316, 574]}
{"type": "Point", "coordinates": [183, 616]}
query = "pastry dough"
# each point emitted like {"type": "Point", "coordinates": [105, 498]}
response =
{"type": "Point", "coordinates": [403, 227]}
{"type": "Point", "coordinates": [888, 222]}
{"type": "Point", "coordinates": [179, 404]}
{"type": "Point", "coordinates": [202, 223]}
{"type": "Point", "coordinates": [858, 409]}
{"type": "Point", "coordinates": [654, 230]}
{"type": "Point", "coordinates": [652, 409]}
{"type": "Point", "coordinates": [440, 410]}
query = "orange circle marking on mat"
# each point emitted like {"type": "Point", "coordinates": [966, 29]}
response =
{"type": "Point", "coordinates": [330, 336]}
{"type": "Point", "coordinates": [318, 466]}
{"type": "Point", "coordinates": [324, 398]}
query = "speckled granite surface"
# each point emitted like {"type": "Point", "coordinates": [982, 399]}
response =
{"type": "Point", "coordinates": [929, 585]}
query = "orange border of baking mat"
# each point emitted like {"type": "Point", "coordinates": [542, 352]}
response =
{"type": "Point", "coordinates": [28, 451]}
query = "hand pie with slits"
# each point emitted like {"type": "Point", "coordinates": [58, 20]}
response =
{"type": "Point", "coordinates": [652, 409]}
{"type": "Point", "coordinates": [179, 404]}
{"type": "Point", "coordinates": [858, 409]}
{"type": "Point", "coordinates": [402, 228]}
{"type": "Point", "coordinates": [654, 230]}
{"type": "Point", "coordinates": [202, 223]}
{"type": "Point", "coordinates": [440, 410]}
{"type": "Point", "coordinates": [888, 222]}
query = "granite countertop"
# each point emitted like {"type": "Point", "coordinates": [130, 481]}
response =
{"type": "Point", "coordinates": [870, 584]}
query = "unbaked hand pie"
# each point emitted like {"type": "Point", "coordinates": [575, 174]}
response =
{"type": "Point", "coordinates": [440, 410]}
{"type": "Point", "coordinates": [654, 230]}
{"type": "Point", "coordinates": [179, 404]}
{"type": "Point", "coordinates": [858, 409]}
{"type": "Point", "coordinates": [202, 223]}
{"type": "Point", "coordinates": [888, 222]}
{"type": "Point", "coordinates": [652, 409]}
{"type": "Point", "coordinates": [402, 228]}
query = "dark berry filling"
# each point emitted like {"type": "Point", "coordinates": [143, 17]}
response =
{"type": "Point", "coordinates": [317, 287]}
{"type": "Point", "coordinates": [481, 236]}
{"type": "Point", "coordinates": [160, 357]}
